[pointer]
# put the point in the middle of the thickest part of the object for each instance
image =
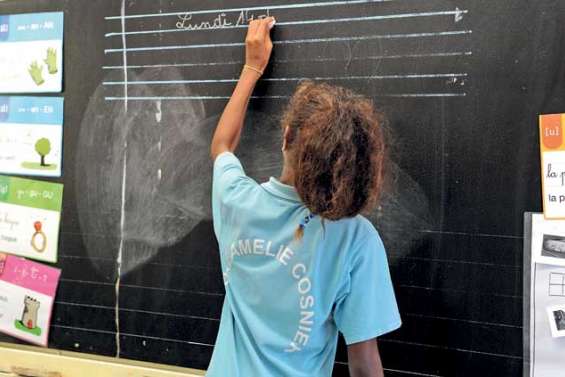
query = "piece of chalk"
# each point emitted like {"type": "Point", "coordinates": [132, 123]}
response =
{"type": "Point", "coordinates": [272, 23]}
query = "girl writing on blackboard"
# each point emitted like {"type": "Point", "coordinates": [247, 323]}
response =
{"type": "Point", "coordinates": [299, 262]}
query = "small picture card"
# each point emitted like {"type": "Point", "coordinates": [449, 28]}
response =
{"type": "Point", "coordinates": [31, 136]}
{"type": "Point", "coordinates": [548, 241]}
{"type": "Point", "coordinates": [27, 293]}
{"type": "Point", "coordinates": [552, 148]}
{"type": "Point", "coordinates": [31, 53]}
{"type": "Point", "coordinates": [556, 316]}
{"type": "Point", "coordinates": [30, 213]}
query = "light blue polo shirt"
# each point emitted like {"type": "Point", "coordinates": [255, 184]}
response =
{"type": "Point", "coordinates": [286, 300]}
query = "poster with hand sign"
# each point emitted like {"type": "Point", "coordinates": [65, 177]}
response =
{"type": "Point", "coordinates": [31, 53]}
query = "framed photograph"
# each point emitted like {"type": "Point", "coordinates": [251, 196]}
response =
{"type": "Point", "coordinates": [556, 316]}
{"type": "Point", "coordinates": [553, 246]}
{"type": "Point", "coordinates": [548, 242]}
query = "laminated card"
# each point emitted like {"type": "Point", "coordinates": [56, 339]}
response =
{"type": "Point", "coordinates": [30, 213]}
{"type": "Point", "coordinates": [552, 147]}
{"type": "Point", "coordinates": [31, 135]}
{"type": "Point", "coordinates": [31, 52]}
{"type": "Point", "coordinates": [27, 292]}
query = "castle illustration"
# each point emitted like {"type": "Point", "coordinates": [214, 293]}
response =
{"type": "Point", "coordinates": [29, 316]}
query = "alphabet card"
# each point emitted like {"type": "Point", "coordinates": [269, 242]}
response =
{"type": "Point", "coordinates": [31, 53]}
{"type": "Point", "coordinates": [31, 135]}
{"type": "Point", "coordinates": [27, 292]}
{"type": "Point", "coordinates": [30, 213]}
{"type": "Point", "coordinates": [552, 147]}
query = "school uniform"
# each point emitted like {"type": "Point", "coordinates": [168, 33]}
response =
{"type": "Point", "coordinates": [286, 299]}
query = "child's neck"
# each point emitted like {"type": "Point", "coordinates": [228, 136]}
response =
{"type": "Point", "coordinates": [287, 176]}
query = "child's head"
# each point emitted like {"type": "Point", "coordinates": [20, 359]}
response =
{"type": "Point", "coordinates": [335, 147]}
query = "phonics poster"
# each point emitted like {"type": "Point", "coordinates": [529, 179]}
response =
{"type": "Point", "coordinates": [552, 147]}
{"type": "Point", "coordinates": [31, 135]}
{"type": "Point", "coordinates": [31, 52]}
{"type": "Point", "coordinates": [27, 292]}
{"type": "Point", "coordinates": [30, 213]}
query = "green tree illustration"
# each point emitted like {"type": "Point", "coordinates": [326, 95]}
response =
{"type": "Point", "coordinates": [43, 147]}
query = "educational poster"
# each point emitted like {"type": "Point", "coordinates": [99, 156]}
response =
{"type": "Point", "coordinates": [547, 304]}
{"type": "Point", "coordinates": [552, 147]}
{"type": "Point", "coordinates": [30, 212]}
{"type": "Point", "coordinates": [31, 53]}
{"type": "Point", "coordinates": [27, 292]}
{"type": "Point", "coordinates": [31, 136]}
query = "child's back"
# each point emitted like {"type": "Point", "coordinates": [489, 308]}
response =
{"type": "Point", "coordinates": [299, 262]}
{"type": "Point", "coordinates": [286, 299]}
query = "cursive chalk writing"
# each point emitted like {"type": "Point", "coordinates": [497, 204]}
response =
{"type": "Point", "coordinates": [221, 21]}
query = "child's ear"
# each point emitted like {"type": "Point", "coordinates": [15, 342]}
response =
{"type": "Point", "coordinates": [285, 137]}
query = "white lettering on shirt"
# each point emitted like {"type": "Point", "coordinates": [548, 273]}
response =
{"type": "Point", "coordinates": [304, 286]}
{"type": "Point", "coordinates": [299, 271]}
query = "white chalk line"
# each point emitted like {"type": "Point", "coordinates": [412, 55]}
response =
{"type": "Point", "coordinates": [188, 316]}
{"type": "Point", "coordinates": [452, 261]}
{"type": "Point", "coordinates": [493, 324]}
{"type": "Point", "coordinates": [175, 265]}
{"type": "Point", "coordinates": [65, 303]}
{"type": "Point", "coordinates": [121, 248]}
{"type": "Point", "coordinates": [411, 373]}
{"type": "Point", "coordinates": [397, 371]}
{"type": "Point", "coordinates": [283, 79]}
{"type": "Point", "coordinates": [124, 55]}
{"type": "Point", "coordinates": [122, 219]}
{"type": "Point", "coordinates": [304, 22]}
{"type": "Point", "coordinates": [386, 340]}
{"type": "Point", "coordinates": [134, 335]}
{"type": "Point", "coordinates": [460, 291]}
{"type": "Point", "coordinates": [276, 61]}
{"type": "Point", "coordinates": [143, 287]}
{"type": "Point", "coordinates": [295, 41]}
{"type": "Point", "coordinates": [266, 7]}
{"type": "Point", "coordinates": [84, 329]}
{"type": "Point", "coordinates": [174, 290]}
{"type": "Point", "coordinates": [177, 98]}
{"type": "Point", "coordinates": [469, 234]}
{"type": "Point", "coordinates": [66, 280]}
{"type": "Point", "coordinates": [408, 95]}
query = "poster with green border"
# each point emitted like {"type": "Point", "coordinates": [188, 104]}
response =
{"type": "Point", "coordinates": [30, 215]}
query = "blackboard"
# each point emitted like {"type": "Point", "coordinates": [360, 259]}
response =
{"type": "Point", "coordinates": [461, 82]}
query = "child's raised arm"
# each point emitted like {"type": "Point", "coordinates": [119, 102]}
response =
{"type": "Point", "coordinates": [258, 47]}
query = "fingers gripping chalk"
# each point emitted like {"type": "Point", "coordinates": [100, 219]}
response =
{"type": "Point", "coordinates": [258, 45]}
{"type": "Point", "coordinates": [272, 23]}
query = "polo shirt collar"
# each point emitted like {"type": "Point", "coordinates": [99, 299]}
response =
{"type": "Point", "coordinates": [276, 187]}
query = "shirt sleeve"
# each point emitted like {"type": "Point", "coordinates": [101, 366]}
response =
{"type": "Point", "coordinates": [229, 187]}
{"type": "Point", "coordinates": [368, 307]}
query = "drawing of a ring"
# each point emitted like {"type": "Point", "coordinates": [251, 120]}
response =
{"type": "Point", "coordinates": [38, 237]}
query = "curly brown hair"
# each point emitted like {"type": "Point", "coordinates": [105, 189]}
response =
{"type": "Point", "coordinates": [336, 148]}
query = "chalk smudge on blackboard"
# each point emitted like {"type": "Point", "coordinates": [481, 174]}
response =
{"type": "Point", "coordinates": [167, 174]}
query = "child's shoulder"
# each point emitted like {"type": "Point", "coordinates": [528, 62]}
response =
{"type": "Point", "coordinates": [360, 223]}
{"type": "Point", "coordinates": [359, 227]}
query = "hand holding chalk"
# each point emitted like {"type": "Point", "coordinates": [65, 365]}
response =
{"type": "Point", "coordinates": [258, 44]}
